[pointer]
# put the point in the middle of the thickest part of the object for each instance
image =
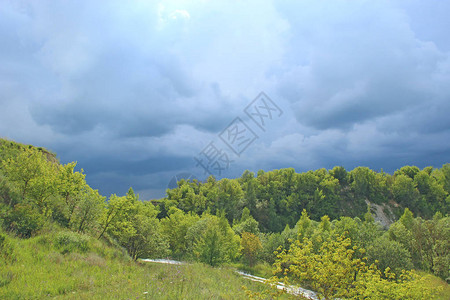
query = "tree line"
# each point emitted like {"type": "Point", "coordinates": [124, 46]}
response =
{"type": "Point", "coordinates": [276, 198]}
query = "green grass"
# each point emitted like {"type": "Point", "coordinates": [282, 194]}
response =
{"type": "Point", "coordinates": [437, 283]}
{"type": "Point", "coordinates": [41, 268]}
{"type": "Point", "coordinates": [262, 269]}
{"type": "Point", "coordinates": [67, 265]}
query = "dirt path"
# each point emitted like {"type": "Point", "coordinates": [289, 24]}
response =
{"type": "Point", "coordinates": [281, 286]}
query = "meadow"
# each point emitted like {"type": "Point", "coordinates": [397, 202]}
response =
{"type": "Point", "coordinates": [39, 268]}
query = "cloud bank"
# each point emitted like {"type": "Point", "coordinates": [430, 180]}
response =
{"type": "Point", "coordinates": [133, 91]}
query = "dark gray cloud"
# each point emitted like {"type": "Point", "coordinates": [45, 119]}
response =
{"type": "Point", "coordinates": [133, 91]}
{"type": "Point", "coordinates": [363, 62]}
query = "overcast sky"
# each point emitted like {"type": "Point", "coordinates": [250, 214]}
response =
{"type": "Point", "coordinates": [137, 92]}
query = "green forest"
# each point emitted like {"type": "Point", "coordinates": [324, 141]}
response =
{"type": "Point", "coordinates": [317, 229]}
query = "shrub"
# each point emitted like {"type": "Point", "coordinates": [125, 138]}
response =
{"type": "Point", "coordinates": [68, 242]}
{"type": "Point", "coordinates": [23, 220]}
{"type": "Point", "coordinates": [390, 254]}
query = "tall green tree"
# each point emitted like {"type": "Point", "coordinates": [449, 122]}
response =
{"type": "Point", "coordinates": [213, 240]}
{"type": "Point", "coordinates": [175, 227]}
{"type": "Point", "coordinates": [88, 210]}
{"type": "Point", "coordinates": [69, 185]}
{"type": "Point", "coordinates": [33, 176]}
{"type": "Point", "coordinates": [250, 247]}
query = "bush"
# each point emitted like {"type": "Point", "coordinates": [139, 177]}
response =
{"type": "Point", "coordinates": [23, 220]}
{"type": "Point", "coordinates": [7, 194]}
{"type": "Point", "coordinates": [68, 242]}
{"type": "Point", "coordinates": [390, 254]}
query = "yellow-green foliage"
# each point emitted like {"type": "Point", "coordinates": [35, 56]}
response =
{"type": "Point", "coordinates": [214, 242]}
{"type": "Point", "coordinates": [35, 189]}
{"type": "Point", "coordinates": [437, 284]}
{"type": "Point", "coordinates": [175, 227]}
{"type": "Point", "coordinates": [250, 246]}
{"type": "Point", "coordinates": [11, 149]}
{"type": "Point", "coordinates": [337, 271]}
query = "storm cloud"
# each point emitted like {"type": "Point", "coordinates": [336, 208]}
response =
{"type": "Point", "coordinates": [133, 91]}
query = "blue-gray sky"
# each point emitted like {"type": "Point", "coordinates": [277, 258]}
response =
{"type": "Point", "coordinates": [133, 90]}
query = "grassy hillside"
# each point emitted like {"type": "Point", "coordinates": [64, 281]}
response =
{"type": "Point", "coordinates": [73, 266]}
{"type": "Point", "coordinates": [67, 265]}
{"type": "Point", "coordinates": [10, 148]}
